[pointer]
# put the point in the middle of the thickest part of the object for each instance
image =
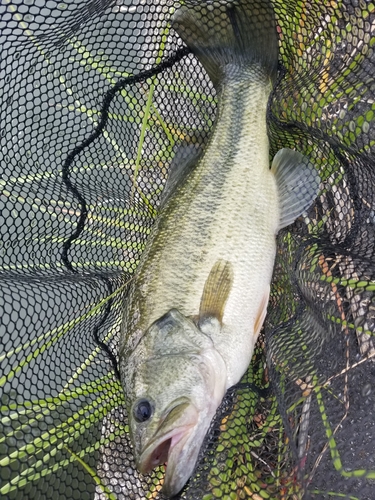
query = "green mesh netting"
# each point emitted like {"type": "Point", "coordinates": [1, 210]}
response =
{"type": "Point", "coordinates": [96, 99]}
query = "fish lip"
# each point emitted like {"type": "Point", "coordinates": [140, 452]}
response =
{"type": "Point", "coordinates": [160, 447]}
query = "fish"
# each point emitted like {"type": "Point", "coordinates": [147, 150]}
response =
{"type": "Point", "coordinates": [199, 296]}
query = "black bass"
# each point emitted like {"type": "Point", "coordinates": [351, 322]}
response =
{"type": "Point", "coordinates": [199, 297]}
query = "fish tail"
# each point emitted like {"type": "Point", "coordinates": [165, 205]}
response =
{"type": "Point", "coordinates": [229, 35]}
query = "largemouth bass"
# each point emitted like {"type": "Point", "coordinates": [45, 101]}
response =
{"type": "Point", "coordinates": [199, 297]}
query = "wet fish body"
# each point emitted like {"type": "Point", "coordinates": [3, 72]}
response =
{"type": "Point", "coordinates": [200, 294]}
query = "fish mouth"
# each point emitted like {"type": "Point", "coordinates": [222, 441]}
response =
{"type": "Point", "coordinates": [158, 453]}
{"type": "Point", "coordinates": [167, 444]}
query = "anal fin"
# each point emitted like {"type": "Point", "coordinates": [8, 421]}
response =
{"type": "Point", "coordinates": [297, 182]}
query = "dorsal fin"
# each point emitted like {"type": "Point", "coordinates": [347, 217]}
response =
{"type": "Point", "coordinates": [216, 291]}
{"type": "Point", "coordinates": [186, 157]}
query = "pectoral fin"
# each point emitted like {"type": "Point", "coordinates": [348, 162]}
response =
{"type": "Point", "coordinates": [297, 182]}
{"type": "Point", "coordinates": [216, 291]}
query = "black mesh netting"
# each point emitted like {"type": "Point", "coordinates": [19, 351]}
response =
{"type": "Point", "coordinates": [97, 97]}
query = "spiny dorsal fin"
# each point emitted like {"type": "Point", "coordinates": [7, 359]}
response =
{"type": "Point", "coordinates": [216, 291]}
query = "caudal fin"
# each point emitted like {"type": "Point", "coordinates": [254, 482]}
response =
{"type": "Point", "coordinates": [227, 35]}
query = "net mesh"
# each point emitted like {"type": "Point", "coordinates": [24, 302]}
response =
{"type": "Point", "coordinates": [96, 100]}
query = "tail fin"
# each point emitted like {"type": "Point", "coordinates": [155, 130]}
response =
{"type": "Point", "coordinates": [229, 34]}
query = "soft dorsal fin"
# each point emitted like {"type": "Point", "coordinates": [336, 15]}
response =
{"type": "Point", "coordinates": [216, 291]}
{"type": "Point", "coordinates": [186, 157]}
{"type": "Point", "coordinates": [298, 184]}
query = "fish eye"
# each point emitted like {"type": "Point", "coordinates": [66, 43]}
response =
{"type": "Point", "coordinates": [142, 410]}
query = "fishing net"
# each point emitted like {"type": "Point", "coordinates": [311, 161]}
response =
{"type": "Point", "coordinates": [98, 98]}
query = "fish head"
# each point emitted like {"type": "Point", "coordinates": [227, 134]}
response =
{"type": "Point", "coordinates": [176, 381]}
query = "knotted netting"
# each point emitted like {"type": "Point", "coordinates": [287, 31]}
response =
{"type": "Point", "coordinates": [97, 100]}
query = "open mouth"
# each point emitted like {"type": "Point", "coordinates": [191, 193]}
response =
{"type": "Point", "coordinates": [160, 454]}
{"type": "Point", "coordinates": [169, 437]}
{"type": "Point", "coordinates": [154, 456]}
{"type": "Point", "coordinates": [158, 457]}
